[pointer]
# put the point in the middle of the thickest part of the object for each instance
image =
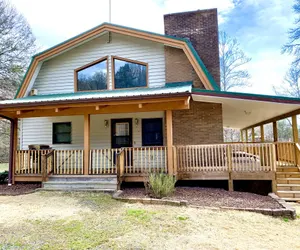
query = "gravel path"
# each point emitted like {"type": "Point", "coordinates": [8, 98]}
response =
{"type": "Point", "coordinates": [213, 197]}
{"type": "Point", "coordinates": [18, 189]}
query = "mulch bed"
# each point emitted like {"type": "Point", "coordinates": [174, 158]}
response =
{"type": "Point", "coordinates": [212, 197]}
{"type": "Point", "coordinates": [18, 189]}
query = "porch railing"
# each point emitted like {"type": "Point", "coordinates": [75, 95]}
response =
{"type": "Point", "coordinates": [103, 161]}
{"type": "Point", "coordinates": [236, 157]}
{"type": "Point", "coordinates": [225, 157]}
{"type": "Point", "coordinates": [29, 161]}
{"type": "Point", "coordinates": [286, 153]}
{"type": "Point", "coordinates": [68, 162]}
{"type": "Point", "coordinates": [63, 162]}
{"type": "Point", "coordinates": [145, 159]}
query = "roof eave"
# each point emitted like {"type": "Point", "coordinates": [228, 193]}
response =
{"type": "Point", "coordinates": [246, 96]}
{"type": "Point", "coordinates": [93, 100]}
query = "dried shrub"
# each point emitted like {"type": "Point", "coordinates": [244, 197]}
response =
{"type": "Point", "coordinates": [160, 185]}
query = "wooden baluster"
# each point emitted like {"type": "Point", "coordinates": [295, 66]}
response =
{"type": "Point", "coordinates": [95, 162]}
{"type": "Point", "coordinates": [100, 162]}
{"type": "Point", "coordinates": [19, 162]}
{"type": "Point", "coordinates": [151, 162]}
{"type": "Point", "coordinates": [106, 158]}
{"type": "Point", "coordinates": [185, 151]}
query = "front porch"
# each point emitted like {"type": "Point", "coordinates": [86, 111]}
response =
{"type": "Point", "coordinates": [234, 161]}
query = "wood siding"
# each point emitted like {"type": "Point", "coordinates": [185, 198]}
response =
{"type": "Point", "coordinates": [39, 130]}
{"type": "Point", "coordinates": [57, 75]}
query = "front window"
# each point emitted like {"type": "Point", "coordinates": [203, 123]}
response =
{"type": "Point", "coordinates": [129, 74]}
{"type": "Point", "coordinates": [152, 132]}
{"type": "Point", "coordinates": [62, 133]}
{"type": "Point", "coordinates": [92, 77]}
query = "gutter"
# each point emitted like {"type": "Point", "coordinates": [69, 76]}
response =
{"type": "Point", "coordinates": [11, 148]}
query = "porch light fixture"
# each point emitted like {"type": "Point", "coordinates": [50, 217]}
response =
{"type": "Point", "coordinates": [247, 112]}
{"type": "Point", "coordinates": [106, 123]}
{"type": "Point", "coordinates": [136, 121]}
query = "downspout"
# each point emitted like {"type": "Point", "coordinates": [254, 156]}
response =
{"type": "Point", "coordinates": [11, 148]}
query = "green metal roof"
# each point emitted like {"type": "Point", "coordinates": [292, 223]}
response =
{"type": "Point", "coordinates": [191, 47]}
{"type": "Point", "coordinates": [168, 89]}
{"type": "Point", "coordinates": [245, 95]}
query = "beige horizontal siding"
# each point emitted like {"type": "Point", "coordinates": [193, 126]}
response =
{"type": "Point", "coordinates": [39, 130]}
{"type": "Point", "coordinates": [57, 75]}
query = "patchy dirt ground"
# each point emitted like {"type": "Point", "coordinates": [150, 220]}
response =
{"type": "Point", "coordinates": [213, 197]}
{"type": "Point", "coordinates": [54, 220]}
{"type": "Point", "coordinates": [18, 188]}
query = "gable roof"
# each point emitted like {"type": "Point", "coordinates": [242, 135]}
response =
{"type": "Point", "coordinates": [177, 42]}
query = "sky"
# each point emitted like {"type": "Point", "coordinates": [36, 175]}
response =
{"type": "Point", "coordinates": [260, 26]}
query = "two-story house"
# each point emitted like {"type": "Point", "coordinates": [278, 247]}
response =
{"type": "Point", "coordinates": [114, 102]}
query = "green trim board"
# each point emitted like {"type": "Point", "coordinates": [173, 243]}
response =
{"type": "Point", "coordinates": [189, 44]}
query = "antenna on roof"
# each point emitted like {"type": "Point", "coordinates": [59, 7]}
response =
{"type": "Point", "coordinates": [109, 20]}
{"type": "Point", "coordinates": [109, 11]}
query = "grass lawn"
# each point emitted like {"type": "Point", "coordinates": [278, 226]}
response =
{"type": "Point", "coordinates": [3, 167]}
{"type": "Point", "coordinates": [54, 220]}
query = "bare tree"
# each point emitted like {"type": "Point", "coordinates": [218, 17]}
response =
{"type": "Point", "coordinates": [17, 44]}
{"type": "Point", "coordinates": [231, 135]}
{"type": "Point", "coordinates": [293, 45]}
{"type": "Point", "coordinates": [232, 60]}
{"type": "Point", "coordinates": [290, 85]}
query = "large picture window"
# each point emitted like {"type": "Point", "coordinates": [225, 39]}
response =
{"type": "Point", "coordinates": [152, 132]}
{"type": "Point", "coordinates": [129, 74]}
{"type": "Point", "coordinates": [62, 133]}
{"type": "Point", "coordinates": [92, 76]}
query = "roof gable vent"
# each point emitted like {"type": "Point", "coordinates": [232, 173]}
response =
{"type": "Point", "coordinates": [33, 92]}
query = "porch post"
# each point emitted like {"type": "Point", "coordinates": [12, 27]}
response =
{"type": "Point", "coordinates": [242, 135]}
{"type": "Point", "coordinates": [12, 148]}
{"type": "Point", "coordinates": [246, 130]}
{"type": "Point", "coordinates": [86, 160]}
{"type": "Point", "coordinates": [275, 132]}
{"type": "Point", "coordinates": [295, 129]}
{"type": "Point", "coordinates": [252, 134]}
{"type": "Point", "coordinates": [262, 133]}
{"type": "Point", "coordinates": [169, 122]}
{"type": "Point", "coordinates": [15, 147]}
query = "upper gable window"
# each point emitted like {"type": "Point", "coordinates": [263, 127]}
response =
{"type": "Point", "coordinates": [92, 76]}
{"type": "Point", "coordinates": [129, 73]}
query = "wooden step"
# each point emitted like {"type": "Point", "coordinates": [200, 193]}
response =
{"type": "Point", "coordinates": [288, 174]}
{"type": "Point", "coordinates": [81, 183]}
{"type": "Point", "coordinates": [290, 199]}
{"type": "Point", "coordinates": [287, 169]}
{"type": "Point", "coordinates": [289, 194]}
{"type": "Point", "coordinates": [288, 180]}
{"type": "Point", "coordinates": [288, 187]}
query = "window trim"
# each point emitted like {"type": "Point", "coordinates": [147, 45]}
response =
{"type": "Point", "coordinates": [89, 65]}
{"type": "Point", "coordinates": [162, 132]}
{"type": "Point", "coordinates": [131, 61]}
{"type": "Point", "coordinates": [59, 143]}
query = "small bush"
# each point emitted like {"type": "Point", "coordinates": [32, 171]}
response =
{"type": "Point", "coordinates": [3, 176]}
{"type": "Point", "coordinates": [161, 185]}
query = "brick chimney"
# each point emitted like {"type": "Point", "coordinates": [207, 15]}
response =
{"type": "Point", "coordinates": [201, 28]}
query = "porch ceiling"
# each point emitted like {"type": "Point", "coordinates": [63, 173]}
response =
{"type": "Point", "coordinates": [241, 110]}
